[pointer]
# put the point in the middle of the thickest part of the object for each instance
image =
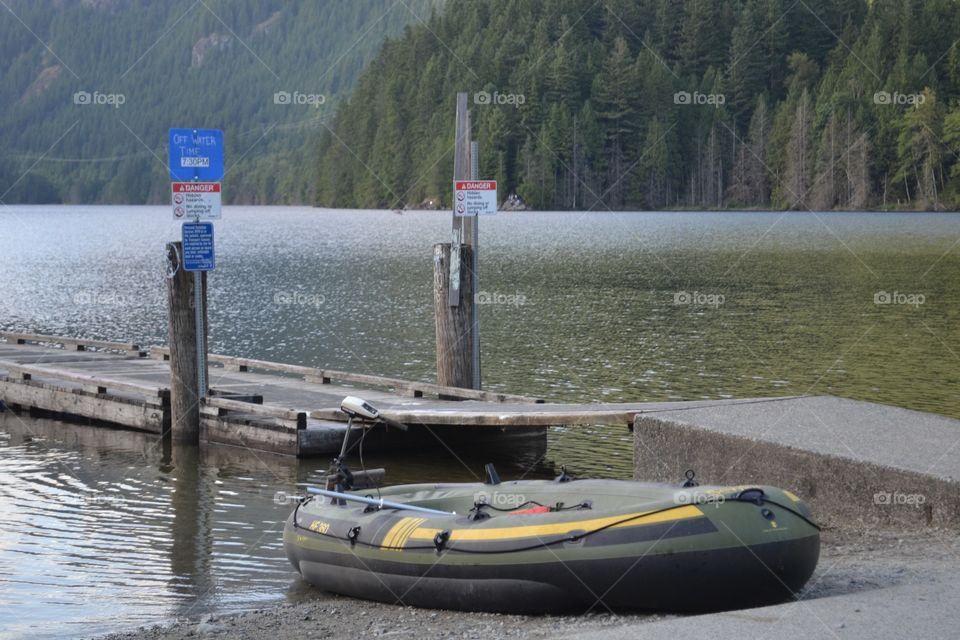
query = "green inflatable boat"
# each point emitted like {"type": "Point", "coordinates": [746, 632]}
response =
{"type": "Point", "coordinates": [552, 546]}
{"type": "Point", "coordinates": [541, 546]}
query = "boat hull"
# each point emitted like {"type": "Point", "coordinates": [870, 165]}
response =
{"type": "Point", "coordinates": [687, 558]}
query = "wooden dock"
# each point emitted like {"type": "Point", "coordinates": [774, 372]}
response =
{"type": "Point", "coordinates": [282, 408]}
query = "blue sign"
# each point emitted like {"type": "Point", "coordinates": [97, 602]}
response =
{"type": "Point", "coordinates": [198, 246]}
{"type": "Point", "coordinates": [196, 155]}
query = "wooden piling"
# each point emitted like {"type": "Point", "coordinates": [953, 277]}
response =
{"type": "Point", "coordinates": [182, 337]}
{"type": "Point", "coordinates": [453, 278]}
{"type": "Point", "coordinates": [454, 325]}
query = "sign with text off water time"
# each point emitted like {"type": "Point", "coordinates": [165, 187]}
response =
{"type": "Point", "coordinates": [474, 197]}
{"type": "Point", "coordinates": [195, 200]}
{"type": "Point", "coordinates": [198, 246]}
{"type": "Point", "coordinates": [196, 154]}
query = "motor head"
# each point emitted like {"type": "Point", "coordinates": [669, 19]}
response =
{"type": "Point", "coordinates": [358, 408]}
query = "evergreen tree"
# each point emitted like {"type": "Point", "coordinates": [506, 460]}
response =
{"type": "Point", "coordinates": [615, 93]}
{"type": "Point", "coordinates": [652, 184]}
{"type": "Point", "coordinates": [920, 152]}
{"type": "Point", "coordinates": [749, 183]}
{"type": "Point", "coordinates": [797, 168]}
{"type": "Point", "coordinates": [747, 69]}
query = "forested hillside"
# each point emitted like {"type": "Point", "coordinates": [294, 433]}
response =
{"type": "Point", "coordinates": [88, 89]}
{"type": "Point", "coordinates": [664, 103]}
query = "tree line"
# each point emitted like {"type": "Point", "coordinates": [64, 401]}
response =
{"type": "Point", "coordinates": [236, 65]}
{"type": "Point", "coordinates": [653, 104]}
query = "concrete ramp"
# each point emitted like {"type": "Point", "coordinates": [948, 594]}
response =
{"type": "Point", "coordinates": [854, 462]}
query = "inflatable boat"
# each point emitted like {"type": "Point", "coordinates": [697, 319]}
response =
{"type": "Point", "coordinates": [541, 546]}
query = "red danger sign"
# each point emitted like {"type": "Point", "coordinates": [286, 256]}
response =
{"type": "Point", "coordinates": [195, 200]}
{"type": "Point", "coordinates": [474, 197]}
{"type": "Point", "coordinates": [196, 187]}
{"type": "Point", "coordinates": [464, 185]}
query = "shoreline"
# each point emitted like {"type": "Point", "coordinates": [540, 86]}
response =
{"type": "Point", "coordinates": [447, 210]}
{"type": "Point", "coordinates": [853, 566]}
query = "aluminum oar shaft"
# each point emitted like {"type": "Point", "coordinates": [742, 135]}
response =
{"type": "Point", "coordinates": [383, 504]}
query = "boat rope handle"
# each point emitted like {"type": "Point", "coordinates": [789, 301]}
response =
{"type": "Point", "coordinates": [559, 506]}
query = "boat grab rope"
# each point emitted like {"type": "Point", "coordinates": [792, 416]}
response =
{"type": "Point", "coordinates": [559, 506]}
{"type": "Point", "coordinates": [353, 538]}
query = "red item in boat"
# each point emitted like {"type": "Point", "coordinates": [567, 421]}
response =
{"type": "Point", "coordinates": [523, 512]}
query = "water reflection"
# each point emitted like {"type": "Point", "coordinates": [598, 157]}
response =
{"type": "Point", "coordinates": [106, 528]}
{"type": "Point", "coordinates": [191, 506]}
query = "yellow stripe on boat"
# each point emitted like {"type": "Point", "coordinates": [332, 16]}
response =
{"type": "Point", "coordinates": [394, 530]}
{"type": "Point", "coordinates": [562, 528]}
{"type": "Point", "coordinates": [400, 532]}
{"type": "Point", "coordinates": [408, 531]}
{"type": "Point", "coordinates": [790, 495]}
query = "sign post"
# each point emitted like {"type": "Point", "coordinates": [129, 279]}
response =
{"type": "Point", "coordinates": [471, 199]}
{"type": "Point", "coordinates": [453, 295]}
{"type": "Point", "coordinates": [475, 309]}
{"type": "Point", "coordinates": [196, 169]}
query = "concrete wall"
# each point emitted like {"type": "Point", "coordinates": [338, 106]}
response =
{"type": "Point", "coordinates": [885, 488]}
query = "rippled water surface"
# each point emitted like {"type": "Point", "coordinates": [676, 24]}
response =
{"type": "Point", "coordinates": [103, 529]}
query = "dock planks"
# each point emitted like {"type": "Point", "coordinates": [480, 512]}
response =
{"type": "Point", "coordinates": [289, 409]}
{"type": "Point", "coordinates": [276, 407]}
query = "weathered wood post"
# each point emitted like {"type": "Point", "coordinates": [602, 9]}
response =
{"type": "Point", "coordinates": [453, 294]}
{"type": "Point", "coordinates": [182, 336]}
{"type": "Point", "coordinates": [454, 324]}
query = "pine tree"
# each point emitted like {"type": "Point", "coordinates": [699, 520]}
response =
{"type": "Point", "coordinates": [749, 184]}
{"type": "Point", "coordinates": [829, 168]}
{"type": "Point", "coordinates": [797, 169]}
{"type": "Point", "coordinates": [652, 179]}
{"type": "Point", "coordinates": [746, 72]}
{"type": "Point", "coordinates": [773, 48]}
{"type": "Point", "coordinates": [700, 43]}
{"type": "Point", "coordinates": [616, 98]}
{"type": "Point", "coordinates": [920, 152]}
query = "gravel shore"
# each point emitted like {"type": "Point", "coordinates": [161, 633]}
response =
{"type": "Point", "coordinates": [851, 561]}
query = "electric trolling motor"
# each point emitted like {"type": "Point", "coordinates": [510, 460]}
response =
{"type": "Point", "coordinates": [339, 477]}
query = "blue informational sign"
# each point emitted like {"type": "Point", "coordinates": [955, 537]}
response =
{"type": "Point", "coordinates": [198, 246]}
{"type": "Point", "coordinates": [196, 155]}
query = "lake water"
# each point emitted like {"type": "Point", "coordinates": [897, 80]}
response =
{"type": "Point", "coordinates": [104, 529]}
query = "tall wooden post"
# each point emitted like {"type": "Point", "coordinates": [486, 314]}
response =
{"type": "Point", "coordinates": [475, 272]}
{"type": "Point", "coordinates": [454, 324]}
{"type": "Point", "coordinates": [182, 337]}
{"type": "Point", "coordinates": [453, 294]}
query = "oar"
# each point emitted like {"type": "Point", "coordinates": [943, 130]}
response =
{"type": "Point", "coordinates": [381, 503]}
